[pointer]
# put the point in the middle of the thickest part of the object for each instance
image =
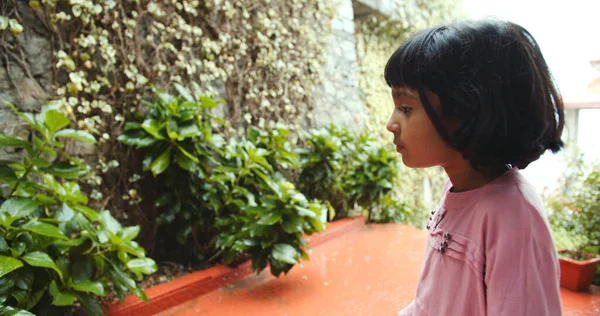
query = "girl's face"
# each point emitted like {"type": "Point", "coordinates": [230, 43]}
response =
{"type": "Point", "coordinates": [415, 136]}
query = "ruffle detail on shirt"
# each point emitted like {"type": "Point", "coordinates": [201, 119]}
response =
{"type": "Point", "coordinates": [459, 248]}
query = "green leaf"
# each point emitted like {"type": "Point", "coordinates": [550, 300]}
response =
{"type": "Point", "coordinates": [184, 92]}
{"type": "Point", "coordinates": [23, 278]}
{"type": "Point", "coordinates": [69, 243]}
{"type": "Point", "coordinates": [144, 265]}
{"type": "Point", "coordinates": [122, 280]}
{"type": "Point", "coordinates": [17, 249]}
{"type": "Point", "coordinates": [73, 193]}
{"type": "Point", "coordinates": [64, 213]}
{"type": "Point", "coordinates": [41, 259]}
{"type": "Point", "coordinates": [64, 264]}
{"type": "Point", "coordinates": [34, 297]}
{"type": "Point", "coordinates": [188, 131]}
{"type": "Point", "coordinates": [82, 136]}
{"type": "Point", "coordinates": [132, 126]}
{"type": "Point", "coordinates": [27, 117]}
{"type": "Point", "coordinates": [133, 248]}
{"type": "Point", "coordinates": [53, 185]}
{"type": "Point", "coordinates": [110, 223]}
{"type": "Point", "coordinates": [151, 127]}
{"type": "Point", "coordinates": [278, 267]}
{"type": "Point", "coordinates": [18, 207]}
{"type": "Point", "coordinates": [65, 170]}
{"type": "Point", "coordinates": [270, 219]}
{"type": "Point", "coordinates": [9, 264]}
{"type": "Point", "coordinates": [253, 134]}
{"type": "Point", "coordinates": [41, 145]}
{"type": "Point", "coordinates": [139, 140]}
{"type": "Point", "coordinates": [6, 285]}
{"type": "Point", "coordinates": [292, 225]}
{"type": "Point", "coordinates": [164, 97]}
{"type": "Point", "coordinates": [41, 162]}
{"type": "Point", "coordinates": [123, 256]}
{"type": "Point", "coordinates": [305, 212]}
{"type": "Point", "coordinates": [207, 102]}
{"type": "Point", "coordinates": [172, 129]}
{"type": "Point", "coordinates": [161, 163]}
{"type": "Point", "coordinates": [270, 183]}
{"type": "Point", "coordinates": [9, 141]}
{"type": "Point", "coordinates": [3, 244]}
{"type": "Point", "coordinates": [55, 120]}
{"type": "Point", "coordinates": [89, 287]}
{"type": "Point", "coordinates": [60, 298]}
{"type": "Point", "coordinates": [187, 154]}
{"type": "Point", "coordinates": [57, 144]}
{"type": "Point", "coordinates": [44, 229]}
{"type": "Point", "coordinates": [7, 175]}
{"type": "Point", "coordinates": [285, 253]}
{"type": "Point", "coordinates": [89, 304]}
{"type": "Point", "coordinates": [12, 311]}
{"type": "Point", "coordinates": [185, 162]}
{"type": "Point", "coordinates": [19, 296]}
{"type": "Point", "coordinates": [129, 233]}
{"type": "Point", "coordinates": [187, 105]}
{"type": "Point", "coordinates": [145, 142]}
{"type": "Point", "coordinates": [91, 214]}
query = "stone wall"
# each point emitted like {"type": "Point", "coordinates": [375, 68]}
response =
{"type": "Point", "coordinates": [387, 8]}
{"type": "Point", "coordinates": [337, 100]}
{"type": "Point", "coordinates": [34, 88]}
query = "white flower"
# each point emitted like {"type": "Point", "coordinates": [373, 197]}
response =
{"type": "Point", "coordinates": [248, 117]}
{"type": "Point", "coordinates": [15, 27]}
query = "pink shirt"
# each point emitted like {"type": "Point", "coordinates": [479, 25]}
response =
{"type": "Point", "coordinates": [499, 260]}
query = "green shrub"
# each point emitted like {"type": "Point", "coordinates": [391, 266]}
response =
{"type": "Point", "coordinates": [575, 216]}
{"type": "Point", "coordinates": [324, 161]}
{"type": "Point", "coordinates": [54, 249]}
{"type": "Point", "coordinates": [228, 198]}
{"type": "Point", "coordinates": [180, 149]}
{"type": "Point", "coordinates": [369, 179]}
{"type": "Point", "coordinates": [262, 213]}
{"type": "Point", "coordinates": [351, 171]}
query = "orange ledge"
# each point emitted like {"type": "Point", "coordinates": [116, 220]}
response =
{"type": "Point", "coordinates": [188, 287]}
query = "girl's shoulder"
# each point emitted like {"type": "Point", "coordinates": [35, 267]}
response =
{"type": "Point", "coordinates": [513, 194]}
{"type": "Point", "coordinates": [514, 207]}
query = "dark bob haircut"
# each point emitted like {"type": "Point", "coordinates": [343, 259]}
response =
{"type": "Point", "coordinates": [498, 101]}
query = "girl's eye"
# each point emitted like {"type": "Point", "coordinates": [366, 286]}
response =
{"type": "Point", "coordinates": [404, 109]}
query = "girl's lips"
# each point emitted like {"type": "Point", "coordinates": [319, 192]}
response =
{"type": "Point", "coordinates": [399, 148]}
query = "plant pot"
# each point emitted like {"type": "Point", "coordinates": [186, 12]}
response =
{"type": "Point", "coordinates": [577, 275]}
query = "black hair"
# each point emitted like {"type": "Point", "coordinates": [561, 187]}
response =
{"type": "Point", "coordinates": [498, 101]}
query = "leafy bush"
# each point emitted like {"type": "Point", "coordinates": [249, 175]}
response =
{"type": "Point", "coordinates": [575, 216]}
{"type": "Point", "coordinates": [230, 199]}
{"type": "Point", "coordinates": [323, 163]}
{"type": "Point", "coordinates": [180, 149]}
{"type": "Point", "coordinates": [371, 173]}
{"type": "Point", "coordinates": [262, 214]}
{"type": "Point", "coordinates": [349, 171]}
{"type": "Point", "coordinates": [54, 250]}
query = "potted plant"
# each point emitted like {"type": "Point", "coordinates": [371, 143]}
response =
{"type": "Point", "coordinates": [577, 267]}
{"type": "Point", "coordinates": [575, 221]}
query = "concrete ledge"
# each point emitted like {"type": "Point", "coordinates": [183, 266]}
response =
{"type": "Point", "coordinates": [188, 287]}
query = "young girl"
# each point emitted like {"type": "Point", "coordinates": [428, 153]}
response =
{"type": "Point", "coordinates": [477, 98]}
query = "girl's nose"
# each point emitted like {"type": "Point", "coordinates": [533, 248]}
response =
{"type": "Point", "coordinates": [393, 127]}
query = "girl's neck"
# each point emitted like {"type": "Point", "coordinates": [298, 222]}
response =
{"type": "Point", "coordinates": [464, 177]}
